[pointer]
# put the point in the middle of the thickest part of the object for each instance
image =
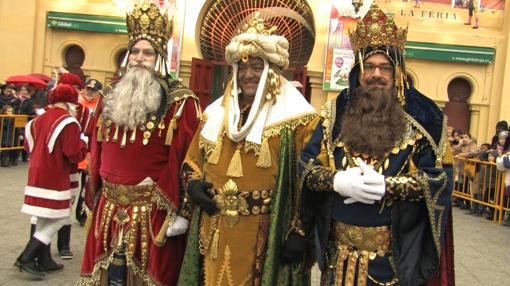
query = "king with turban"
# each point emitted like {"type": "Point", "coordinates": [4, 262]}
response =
{"type": "Point", "coordinates": [240, 170]}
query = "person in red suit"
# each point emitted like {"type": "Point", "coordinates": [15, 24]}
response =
{"type": "Point", "coordinates": [55, 141]}
{"type": "Point", "coordinates": [82, 115]}
{"type": "Point", "coordinates": [142, 130]}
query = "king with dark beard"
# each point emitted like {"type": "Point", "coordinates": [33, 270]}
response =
{"type": "Point", "coordinates": [377, 173]}
{"type": "Point", "coordinates": [143, 128]}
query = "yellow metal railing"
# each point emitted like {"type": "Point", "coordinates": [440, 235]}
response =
{"type": "Point", "coordinates": [11, 131]}
{"type": "Point", "coordinates": [479, 182]}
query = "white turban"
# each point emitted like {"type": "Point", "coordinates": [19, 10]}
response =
{"type": "Point", "coordinates": [273, 48]}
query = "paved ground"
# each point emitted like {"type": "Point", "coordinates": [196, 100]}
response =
{"type": "Point", "coordinates": [482, 249]}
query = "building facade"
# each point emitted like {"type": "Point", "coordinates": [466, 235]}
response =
{"type": "Point", "coordinates": [465, 70]}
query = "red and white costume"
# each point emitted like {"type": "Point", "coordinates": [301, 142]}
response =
{"type": "Point", "coordinates": [54, 142]}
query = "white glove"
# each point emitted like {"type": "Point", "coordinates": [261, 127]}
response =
{"type": "Point", "coordinates": [84, 138]}
{"type": "Point", "coordinates": [373, 182]}
{"type": "Point", "coordinates": [180, 226]}
{"type": "Point", "coordinates": [349, 184]}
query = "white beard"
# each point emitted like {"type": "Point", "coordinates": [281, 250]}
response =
{"type": "Point", "coordinates": [135, 96]}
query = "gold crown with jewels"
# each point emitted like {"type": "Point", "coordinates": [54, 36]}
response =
{"type": "Point", "coordinates": [376, 29]}
{"type": "Point", "coordinates": [147, 21]}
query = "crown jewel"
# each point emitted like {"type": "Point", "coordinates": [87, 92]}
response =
{"type": "Point", "coordinates": [257, 25]}
{"type": "Point", "coordinates": [147, 21]}
{"type": "Point", "coordinates": [376, 30]}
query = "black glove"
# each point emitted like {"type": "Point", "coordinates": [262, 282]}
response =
{"type": "Point", "coordinates": [294, 248]}
{"type": "Point", "coordinates": [197, 190]}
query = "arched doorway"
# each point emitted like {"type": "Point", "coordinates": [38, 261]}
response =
{"type": "Point", "coordinates": [457, 108]}
{"type": "Point", "coordinates": [222, 20]}
{"type": "Point", "coordinates": [74, 56]}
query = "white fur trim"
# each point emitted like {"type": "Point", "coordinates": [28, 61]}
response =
{"type": "Point", "coordinates": [28, 135]}
{"type": "Point", "coordinates": [74, 191]}
{"type": "Point", "coordinates": [45, 212]}
{"type": "Point", "coordinates": [42, 237]}
{"type": "Point", "coordinates": [47, 193]}
{"type": "Point", "coordinates": [33, 219]}
{"type": "Point", "coordinates": [84, 138]}
{"type": "Point", "coordinates": [58, 129]}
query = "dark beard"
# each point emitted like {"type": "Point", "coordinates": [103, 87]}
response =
{"type": "Point", "coordinates": [373, 122]}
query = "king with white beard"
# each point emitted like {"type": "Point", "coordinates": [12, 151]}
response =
{"type": "Point", "coordinates": [142, 130]}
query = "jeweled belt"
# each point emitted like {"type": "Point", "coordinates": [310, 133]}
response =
{"type": "Point", "coordinates": [128, 194]}
{"type": "Point", "coordinates": [130, 207]}
{"type": "Point", "coordinates": [356, 245]}
{"type": "Point", "coordinates": [232, 204]}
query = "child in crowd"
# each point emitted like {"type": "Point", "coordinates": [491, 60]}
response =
{"type": "Point", "coordinates": [502, 144]}
{"type": "Point", "coordinates": [489, 172]}
{"type": "Point", "coordinates": [478, 181]}
{"type": "Point", "coordinates": [10, 138]}
{"type": "Point", "coordinates": [465, 149]}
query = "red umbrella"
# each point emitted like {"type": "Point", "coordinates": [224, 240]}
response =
{"type": "Point", "coordinates": [42, 76]}
{"type": "Point", "coordinates": [19, 80]}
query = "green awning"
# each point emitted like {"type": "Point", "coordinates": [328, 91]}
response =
{"type": "Point", "coordinates": [82, 22]}
{"type": "Point", "coordinates": [450, 53]}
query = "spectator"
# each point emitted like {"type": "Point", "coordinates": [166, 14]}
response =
{"type": "Point", "coordinates": [89, 97]}
{"type": "Point", "coordinates": [465, 149]}
{"type": "Point", "coordinates": [502, 143]}
{"type": "Point", "coordinates": [10, 137]}
{"type": "Point", "coordinates": [456, 137]}
{"type": "Point", "coordinates": [8, 96]}
{"type": "Point", "coordinates": [478, 181]}
{"type": "Point", "coordinates": [489, 172]}
{"type": "Point", "coordinates": [500, 126]}
{"type": "Point", "coordinates": [27, 103]}
{"type": "Point", "coordinates": [449, 134]}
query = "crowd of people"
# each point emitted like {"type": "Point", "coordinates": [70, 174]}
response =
{"type": "Point", "coordinates": [251, 191]}
{"type": "Point", "coordinates": [22, 100]}
{"type": "Point", "coordinates": [478, 176]}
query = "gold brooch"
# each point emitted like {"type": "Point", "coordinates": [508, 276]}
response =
{"type": "Point", "coordinates": [231, 203]}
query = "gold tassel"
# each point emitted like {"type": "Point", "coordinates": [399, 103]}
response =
{"type": "Point", "coordinates": [116, 135]}
{"type": "Point", "coordinates": [99, 125]}
{"type": "Point", "coordinates": [124, 139]}
{"type": "Point", "coordinates": [88, 222]}
{"type": "Point", "coordinates": [264, 160]}
{"type": "Point", "coordinates": [161, 126]}
{"type": "Point", "coordinates": [215, 154]}
{"type": "Point", "coordinates": [170, 131]}
{"type": "Point", "coordinates": [161, 237]}
{"type": "Point", "coordinates": [214, 243]}
{"type": "Point", "coordinates": [133, 136]}
{"type": "Point", "coordinates": [235, 168]}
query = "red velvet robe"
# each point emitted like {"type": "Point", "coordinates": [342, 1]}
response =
{"type": "Point", "coordinates": [130, 166]}
{"type": "Point", "coordinates": [54, 142]}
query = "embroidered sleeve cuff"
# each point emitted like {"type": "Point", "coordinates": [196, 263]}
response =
{"type": "Point", "coordinates": [320, 179]}
{"type": "Point", "coordinates": [405, 188]}
{"type": "Point", "coordinates": [186, 208]}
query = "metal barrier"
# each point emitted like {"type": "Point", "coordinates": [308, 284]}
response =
{"type": "Point", "coordinates": [12, 131]}
{"type": "Point", "coordinates": [482, 185]}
